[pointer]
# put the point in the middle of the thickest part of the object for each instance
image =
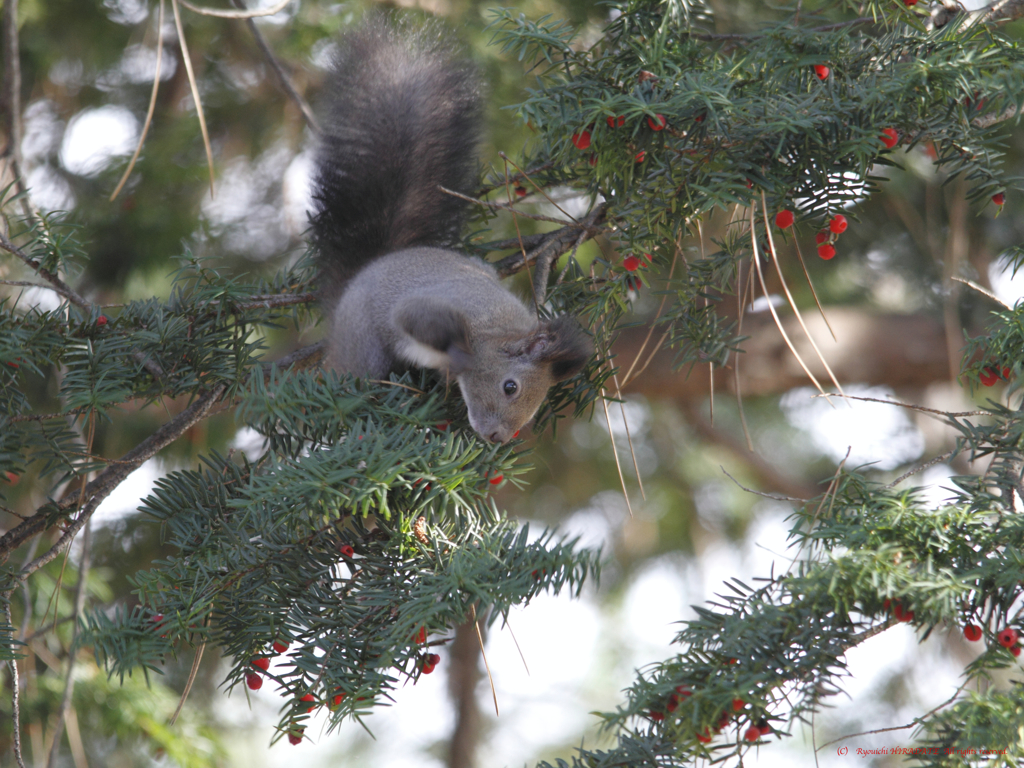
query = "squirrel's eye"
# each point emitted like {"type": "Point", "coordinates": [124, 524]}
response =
{"type": "Point", "coordinates": [510, 387]}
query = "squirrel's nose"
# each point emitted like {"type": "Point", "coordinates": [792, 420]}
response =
{"type": "Point", "coordinates": [495, 437]}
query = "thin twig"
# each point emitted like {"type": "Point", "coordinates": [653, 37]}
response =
{"type": "Point", "coordinates": [282, 77]}
{"type": "Point", "coordinates": [69, 686]}
{"type": "Point", "coordinates": [982, 291]}
{"type": "Point", "coordinates": [761, 493]}
{"type": "Point", "coordinates": [937, 460]}
{"type": "Point", "coordinates": [912, 407]}
{"type": "Point", "coordinates": [191, 679]}
{"type": "Point", "coordinates": [521, 656]}
{"type": "Point", "coordinates": [540, 189]}
{"type": "Point", "coordinates": [789, 296]}
{"type": "Point", "coordinates": [629, 376]}
{"type": "Point", "coordinates": [501, 207]}
{"type": "Point", "coordinates": [152, 104]}
{"type": "Point", "coordinates": [771, 307]}
{"type": "Point", "coordinates": [58, 285]}
{"type": "Point", "coordinates": [810, 284]}
{"type": "Point", "coordinates": [15, 685]}
{"type": "Point", "coordinates": [483, 654]}
{"type": "Point", "coordinates": [615, 450]}
{"type": "Point", "coordinates": [187, 61]}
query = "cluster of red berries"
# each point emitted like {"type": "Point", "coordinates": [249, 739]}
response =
{"type": "Point", "coordinates": [753, 733]}
{"type": "Point", "coordinates": [990, 374]}
{"type": "Point", "coordinates": [825, 239]}
{"type": "Point", "coordinates": [430, 661]}
{"type": "Point", "coordinates": [898, 611]}
{"type": "Point", "coordinates": [1007, 637]}
{"type": "Point", "coordinates": [582, 139]}
{"type": "Point", "coordinates": [631, 264]}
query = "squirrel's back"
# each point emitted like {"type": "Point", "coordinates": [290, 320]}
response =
{"type": "Point", "coordinates": [400, 118]}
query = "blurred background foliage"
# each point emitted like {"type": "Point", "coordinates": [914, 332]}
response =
{"type": "Point", "coordinates": [84, 60]}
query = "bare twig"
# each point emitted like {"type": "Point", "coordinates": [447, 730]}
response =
{"type": "Point", "coordinates": [551, 245]}
{"type": "Point", "coordinates": [58, 285]}
{"type": "Point", "coordinates": [15, 686]}
{"type": "Point", "coordinates": [615, 450]}
{"type": "Point", "coordinates": [937, 460]}
{"type": "Point", "coordinates": [105, 482]}
{"type": "Point", "coordinates": [483, 655]}
{"type": "Point", "coordinates": [69, 685]}
{"type": "Point", "coordinates": [982, 291]}
{"type": "Point", "coordinates": [282, 76]}
{"type": "Point", "coordinates": [152, 104]}
{"type": "Point", "coordinates": [500, 206]}
{"type": "Point", "coordinates": [911, 406]}
{"type": "Point", "coordinates": [187, 61]}
{"type": "Point", "coordinates": [810, 284]}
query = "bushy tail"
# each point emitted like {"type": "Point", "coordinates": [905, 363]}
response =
{"type": "Point", "coordinates": [401, 116]}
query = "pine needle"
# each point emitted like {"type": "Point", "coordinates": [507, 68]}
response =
{"type": "Point", "coordinates": [195, 89]}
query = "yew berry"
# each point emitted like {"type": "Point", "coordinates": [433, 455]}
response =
{"type": "Point", "coordinates": [999, 198]}
{"type": "Point", "coordinates": [821, 71]}
{"type": "Point", "coordinates": [705, 737]}
{"type": "Point", "coordinates": [902, 614]}
{"type": "Point", "coordinates": [261, 663]}
{"type": "Point", "coordinates": [427, 669]}
{"type": "Point", "coordinates": [890, 138]}
{"type": "Point", "coordinates": [421, 636]}
{"type": "Point", "coordinates": [673, 702]}
{"type": "Point", "coordinates": [592, 160]}
{"type": "Point", "coordinates": [346, 550]}
{"type": "Point", "coordinates": [337, 699]}
{"type": "Point", "coordinates": [515, 434]}
{"type": "Point", "coordinates": [630, 263]}
{"type": "Point", "coordinates": [764, 727]}
{"type": "Point", "coordinates": [753, 733]}
{"type": "Point", "coordinates": [838, 224]}
{"type": "Point", "coordinates": [295, 737]}
{"type": "Point", "coordinates": [738, 704]}
{"type": "Point", "coordinates": [826, 251]}
{"type": "Point", "coordinates": [1007, 637]}
{"type": "Point", "coordinates": [581, 140]}
{"type": "Point", "coordinates": [280, 646]}
{"type": "Point", "coordinates": [102, 319]}
{"type": "Point", "coordinates": [254, 681]}
{"type": "Point", "coordinates": [520, 191]}
{"type": "Point", "coordinates": [443, 426]}
{"type": "Point", "coordinates": [309, 697]}
{"type": "Point", "coordinates": [616, 122]}
{"type": "Point", "coordinates": [683, 691]}
{"type": "Point", "coordinates": [640, 156]}
{"type": "Point", "coordinates": [821, 237]}
{"type": "Point", "coordinates": [972, 632]}
{"type": "Point", "coordinates": [910, 3]}
{"type": "Point", "coordinates": [657, 123]}
{"type": "Point", "coordinates": [784, 219]}
{"type": "Point", "coordinates": [1015, 650]}
{"type": "Point", "coordinates": [1006, 373]}
{"type": "Point", "coordinates": [496, 479]}
{"type": "Point", "coordinates": [433, 659]}
{"type": "Point", "coordinates": [988, 377]}
{"type": "Point", "coordinates": [657, 716]}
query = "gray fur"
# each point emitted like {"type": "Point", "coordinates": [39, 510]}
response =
{"type": "Point", "coordinates": [402, 118]}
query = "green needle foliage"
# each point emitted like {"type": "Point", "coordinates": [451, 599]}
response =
{"type": "Point", "coordinates": [364, 531]}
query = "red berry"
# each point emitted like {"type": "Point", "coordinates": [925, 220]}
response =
{"type": "Point", "coordinates": [1015, 650]}
{"type": "Point", "coordinates": [630, 263]}
{"type": "Point", "coordinates": [738, 704]}
{"type": "Point", "coordinates": [254, 681]}
{"type": "Point", "coordinates": [753, 733]}
{"type": "Point", "coordinates": [309, 697]}
{"type": "Point", "coordinates": [902, 614]}
{"type": "Point", "coordinates": [821, 71]}
{"type": "Point", "coordinates": [821, 237]}
{"type": "Point", "coordinates": [657, 716]}
{"type": "Point", "coordinates": [592, 160]}
{"type": "Point", "coordinates": [261, 663]}
{"type": "Point", "coordinates": [639, 158]}
{"type": "Point", "coordinates": [972, 632]}
{"type": "Point", "coordinates": [433, 659]}
{"type": "Point", "coordinates": [826, 251]}
{"type": "Point", "coordinates": [515, 434]}
{"type": "Point", "coordinates": [988, 377]}
{"type": "Point", "coordinates": [337, 699]}
{"type": "Point", "coordinates": [683, 691]}
{"type": "Point", "coordinates": [280, 646]}
{"type": "Point", "coordinates": [496, 479]}
{"type": "Point", "coordinates": [295, 737]}
{"type": "Point", "coordinates": [657, 123]}
{"type": "Point", "coordinates": [886, 603]}
{"type": "Point", "coordinates": [890, 138]}
{"type": "Point", "coordinates": [999, 198]}
{"type": "Point", "coordinates": [520, 191]}
{"type": "Point", "coordinates": [1007, 637]}
{"type": "Point", "coordinates": [764, 727]}
{"type": "Point", "coordinates": [346, 550]}
{"type": "Point", "coordinates": [784, 219]}
{"type": "Point", "coordinates": [427, 669]}
{"type": "Point", "coordinates": [421, 636]}
{"type": "Point", "coordinates": [673, 702]}
{"type": "Point", "coordinates": [102, 319]}
{"type": "Point", "coordinates": [910, 3]}
{"type": "Point", "coordinates": [11, 478]}
{"type": "Point", "coordinates": [838, 224]}
{"type": "Point", "coordinates": [616, 122]}
{"type": "Point", "coordinates": [443, 426]}
{"type": "Point", "coordinates": [581, 140]}
{"type": "Point", "coordinates": [705, 737]}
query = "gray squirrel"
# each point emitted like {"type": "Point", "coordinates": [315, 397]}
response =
{"type": "Point", "coordinates": [402, 117]}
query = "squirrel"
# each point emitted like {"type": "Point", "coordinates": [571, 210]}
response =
{"type": "Point", "coordinates": [401, 118]}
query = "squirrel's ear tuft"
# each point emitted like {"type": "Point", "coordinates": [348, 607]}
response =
{"type": "Point", "coordinates": [437, 335]}
{"type": "Point", "coordinates": [564, 344]}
